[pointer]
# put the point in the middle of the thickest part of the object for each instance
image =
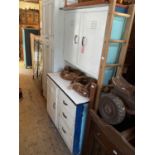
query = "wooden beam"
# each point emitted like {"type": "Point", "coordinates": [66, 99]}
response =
{"type": "Point", "coordinates": [113, 65]}
{"type": "Point", "coordinates": [121, 14]}
{"type": "Point", "coordinates": [118, 41]}
{"type": "Point", "coordinates": [127, 34]}
{"type": "Point", "coordinates": [76, 5]}
{"type": "Point", "coordinates": [129, 134]}
{"type": "Point", "coordinates": [105, 50]}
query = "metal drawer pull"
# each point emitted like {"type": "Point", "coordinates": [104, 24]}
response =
{"type": "Point", "coordinates": [63, 130]}
{"type": "Point", "coordinates": [65, 103]}
{"type": "Point", "coordinates": [84, 41]}
{"type": "Point", "coordinates": [64, 116]}
{"type": "Point", "coordinates": [114, 152]}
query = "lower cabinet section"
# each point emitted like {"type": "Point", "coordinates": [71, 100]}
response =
{"type": "Point", "coordinates": [68, 115]}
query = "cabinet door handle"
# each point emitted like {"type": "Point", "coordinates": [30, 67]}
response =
{"type": "Point", "coordinates": [84, 41]}
{"type": "Point", "coordinates": [64, 115]}
{"type": "Point", "coordinates": [76, 39]}
{"type": "Point", "coordinates": [65, 103]}
{"type": "Point", "coordinates": [64, 131]}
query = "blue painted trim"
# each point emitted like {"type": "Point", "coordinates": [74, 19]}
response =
{"type": "Point", "coordinates": [81, 113]}
{"type": "Point", "coordinates": [83, 124]}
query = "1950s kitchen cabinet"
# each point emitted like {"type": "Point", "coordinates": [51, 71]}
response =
{"type": "Point", "coordinates": [52, 40]}
{"type": "Point", "coordinates": [68, 111]}
{"type": "Point", "coordinates": [84, 35]}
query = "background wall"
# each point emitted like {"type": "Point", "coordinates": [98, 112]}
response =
{"type": "Point", "coordinates": [27, 5]}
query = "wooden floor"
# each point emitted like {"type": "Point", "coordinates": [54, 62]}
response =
{"type": "Point", "coordinates": [38, 136]}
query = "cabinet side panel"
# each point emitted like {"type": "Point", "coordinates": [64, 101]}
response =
{"type": "Point", "coordinates": [81, 113]}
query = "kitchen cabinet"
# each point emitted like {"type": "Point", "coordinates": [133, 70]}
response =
{"type": "Point", "coordinates": [83, 38]}
{"type": "Point", "coordinates": [52, 40]}
{"type": "Point", "coordinates": [68, 111]}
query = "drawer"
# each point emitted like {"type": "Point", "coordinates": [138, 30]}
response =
{"type": "Point", "coordinates": [66, 135]}
{"type": "Point", "coordinates": [68, 120]}
{"type": "Point", "coordinates": [67, 104]}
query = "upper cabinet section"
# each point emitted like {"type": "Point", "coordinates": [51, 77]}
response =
{"type": "Point", "coordinates": [72, 36]}
{"type": "Point", "coordinates": [83, 38]}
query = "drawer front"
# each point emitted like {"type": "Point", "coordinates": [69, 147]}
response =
{"type": "Point", "coordinates": [67, 118]}
{"type": "Point", "coordinates": [66, 135]}
{"type": "Point", "coordinates": [67, 104]}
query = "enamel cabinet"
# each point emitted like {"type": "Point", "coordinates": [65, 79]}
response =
{"type": "Point", "coordinates": [68, 110]}
{"type": "Point", "coordinates": [52, 39]}
{"type": "Point", "coordinates": [83, 38]}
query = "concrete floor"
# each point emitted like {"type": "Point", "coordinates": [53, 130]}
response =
{"type": "Point", "coordinates": [38, 135]}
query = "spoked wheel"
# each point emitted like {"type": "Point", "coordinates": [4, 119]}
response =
{"type": "Point", "coordinates": [112, 109]}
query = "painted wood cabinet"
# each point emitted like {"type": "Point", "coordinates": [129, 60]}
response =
{"type": "Point", "coordinates": [68, 111]}
{"type": "Point", "coordinates": [71, 36]}
{"type": "Point", "coordinates": [52, 40]}
{"type": "Point", "coordinates": [83, 38]}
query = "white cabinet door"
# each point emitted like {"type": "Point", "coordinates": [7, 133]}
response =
{"type": "Point", "coordinates": [92, 34]}
{"type": "Point", "coordinates": [47, 65]}
{"type": "Point", "coordinates": [71, 40]}
{"type": "Point", "coordinates": [52, 101]}
{"type": "Point", "coordinates": [47, 14]}
{"type": "Point", "coordinates": [51, 19]}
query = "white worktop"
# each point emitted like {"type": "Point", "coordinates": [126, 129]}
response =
{"type": "Point", "coordinates": [65, 86]}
